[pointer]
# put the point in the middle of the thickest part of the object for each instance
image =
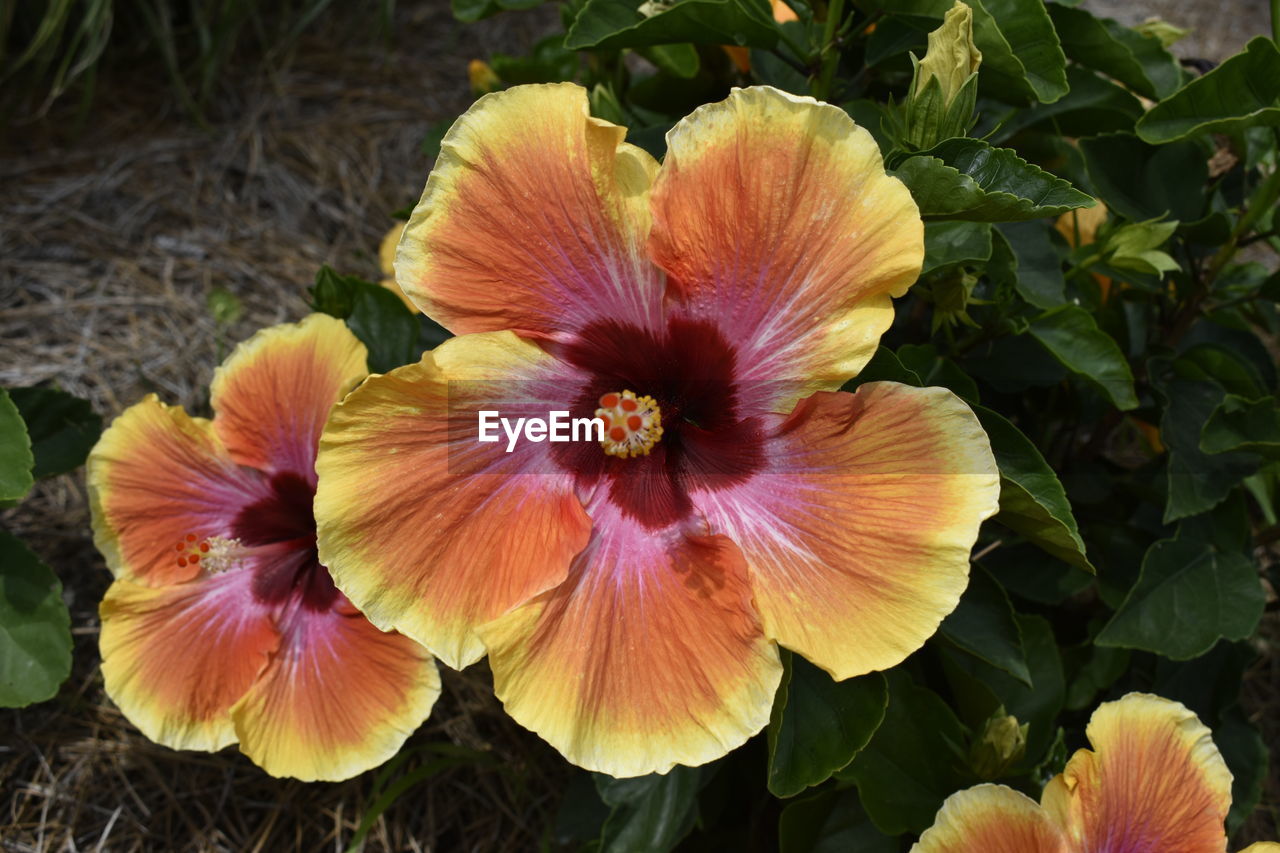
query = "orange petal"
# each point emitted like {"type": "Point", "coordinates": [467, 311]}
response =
{"type": "Point", "coordinates": [339, 697]}
{"type": "Point", "coordinates": [274, 392]}
{"type": "Point", "coordinates": [858, 535]}
{"type": "Point", "coordinates": [773, 215]}
{"type": "Point", "coordinates": [1153, 781]}
{"type": "Point", "coordinates": [155, 477]}
{"type": "Point", "coordinates": [533, 219]}
{"type": "Point", "coordinates": [427, 530]}
{"type": "Point", "coordinates": [649, 655]}
{"type": "Point", "coordinates": [991, 819]}
{"type": "Point", "coordinates": [175, 659]}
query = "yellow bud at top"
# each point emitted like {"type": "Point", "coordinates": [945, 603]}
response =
{"type": "Point", "coordinates": [952, 56]}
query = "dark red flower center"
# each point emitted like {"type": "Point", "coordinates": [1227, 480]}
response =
{"type": "Point", "coordinates": [689, 369]}
{"type": "Point", "coordinates": [282, 529]}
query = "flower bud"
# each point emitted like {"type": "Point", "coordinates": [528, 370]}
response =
{"type": "Point", "coordinates": [945, 85]}
{"type": "Point", "coordinates": [1002, 745]}
{"type": "Point", "coordinates": [482, 77]}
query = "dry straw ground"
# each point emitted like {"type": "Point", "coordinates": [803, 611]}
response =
{"type": "Point", "coordinates": [111, 239]}
{"type": "Point", "coordinates": [110, 242]}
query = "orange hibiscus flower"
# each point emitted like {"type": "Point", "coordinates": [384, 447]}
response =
{"type": "Point", "coordinates": [631, 591]}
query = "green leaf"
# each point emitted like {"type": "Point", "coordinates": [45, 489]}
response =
{"type": "Point", "coordinates": [1134, 247]}
{"type": "Point", "coordinates": [16, 459]}
{"type": "Point", "coordinates": [830, 821]}
{"type": "Point", "coordinates": [611, 24]}
{"type": "Point", "coordinates": [63, 428]}
{"type": "Point", "coordinates": [819, 725]}
{"type": "Point", "coordinates": [474, 10]}
{"type": "Point", "coordinates": [1032, 500]}
{"type": "Point", "coordinates": [678, 60]}
{"type": "Point", "coordinates": [1188, 595]}
{"type": "Point", "coordinates": [984, 625]}
{"type": "Point", "coordinates": [1038, 704]}
{"type": "Point", "coordinates": [650, 813]}
{"type": "Point", "coordinates": [374, 314]}
{"type": "Point", "coordinates": [1247, 756]}
{"type": "Point", "coordinates": [912, 763]}
{"type": "Point", "coordinates": [884, 366]}
{"type": "Point", "coordinates": [35, 628]}
{"type": "Point", "coordinates": [932, 369]}
{"type": "Point", "coordinates": [1144, 182]}
{"type": "Point", "coordinates": [1039, 266]}
{"type": "Point", "coordinates": [1197, 481]}
{"type": "Point", "coordinates": [1071, 335]}
{"type": "Point", "coordinates": [1242, 92]}
{"type": "Point", "coordinates": [968, 179]}
{"type": "Point", "coordinates": [1242, 424]}
{"type": "Point", "coordinates": [1094, 105]}
{"type": "Point", "coordinates": [948, 243]}
{"type": "Point", "coordinates": [1137, 60]}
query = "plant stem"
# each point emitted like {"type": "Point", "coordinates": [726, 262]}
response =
{"type": "Point", "coordinates": [830, 51]}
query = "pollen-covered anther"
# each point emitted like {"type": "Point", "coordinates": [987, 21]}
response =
{"type": "Point", "coordinates": [632, 425]}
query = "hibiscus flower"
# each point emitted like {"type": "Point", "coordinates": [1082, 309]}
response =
{"type": "Point", "coordinates": [221, 625]}
{"type": "Point", "coordinates": [1153, 783]}
{"type": "Point", "coordinates": [631, 592]}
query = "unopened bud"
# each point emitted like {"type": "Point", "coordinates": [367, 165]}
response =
{"type": "Point", "coordinates": [945, 85]}
{"type": "Point", "coordinates": [1002, 745]}
{"type": "Point", "coordinates": [482, 77]}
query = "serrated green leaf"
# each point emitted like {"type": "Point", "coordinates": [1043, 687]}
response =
{"type": "Point", "coordinates": [374, 314]}
{"type": "Point", "coordinates": [35, 628]}
{"type": "Point", "coordinates": [1071, 335]}
{"type": "Point", "coordinates": [1032, 500]}
{"type": "Point", "coordinates": [610, 24]}
{"type": "Point", "coordinates": [1242, 92]}
{"type": "Point", "coordinates": [968, 179]}
{"type": "Point", "coordinates": [16, 459]}
{"type": "Point", "coordinates": [1187, 597]}
{"type": "Point", "coordinates": [1139, 61]}
{"type": "Point", "coordinates": [913, 762]}
{"type": "Point", "coordinates": [819, 725]}
{"type": "Point", "coordinates": [63, 428]}
{"type": "Point", "coordinates": [984, 625]}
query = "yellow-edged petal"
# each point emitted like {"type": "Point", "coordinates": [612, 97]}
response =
{"type": "Point", "coordinates": [533, 219]}
{"type": "Point", "coordinates": [991, 819]}
{"type": "Point", "coordinates": [273, 393]}
{"type": "Point", "coordinates": [648, 655]}
{"type": "Point", "coordinates": [773, 215]}
{"type": "Point", "coordinates": [175, 659]}
{"type": "Point", "coordinates": [1153, 781]}
{"type": "Point", "coordinates": [428, 530]}
{"type": "Point", "coordinates": [338, 698]}
{"type": "Point", "coordinates": [857, 536]}
{"type": "Point", "coordinates": [156, 476]}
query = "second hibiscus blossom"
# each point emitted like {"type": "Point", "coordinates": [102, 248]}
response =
{"type": "Point", "coordinates": [631, 593]}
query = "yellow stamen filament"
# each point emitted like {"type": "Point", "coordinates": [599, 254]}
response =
{"type": "Point", "coordinates": [632, 425]}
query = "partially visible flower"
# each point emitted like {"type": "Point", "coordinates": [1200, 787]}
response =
{"type": "Point", "coordinates": [631, 590]}
{"type": "Point", "coordinates": [387, 264]}
{"type": "Point", "coordinates": [1153, 783]}
{"type": "Point", "coordinates": [221, 625]}
{"type": "Point", "coordinates": [1079, 227]}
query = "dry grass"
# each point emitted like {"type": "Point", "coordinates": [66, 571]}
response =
{"type": "Point", "coordinates": [110, 241]}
